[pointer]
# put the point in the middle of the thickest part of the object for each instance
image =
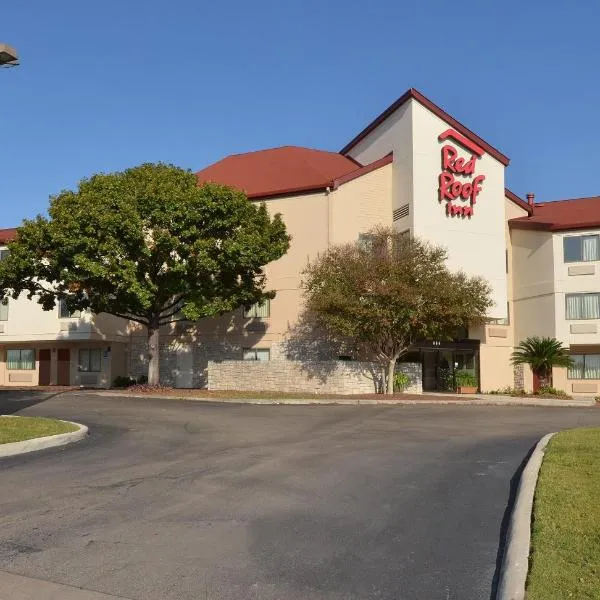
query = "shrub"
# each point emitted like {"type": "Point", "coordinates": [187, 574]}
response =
{"type": "Point", "coordinates": [123, 381]}
{"type": "Point", "coordinates": [142, 380]}
{"type": "Point", "coordinates": [548, 390]}
{"type": "Point", "coordinates": [401, 382]}
{"type": "Point", "coordinates": [465, 379]}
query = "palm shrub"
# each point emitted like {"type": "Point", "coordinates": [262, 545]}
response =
{"type": "Point", "coordinates": [541, 354]}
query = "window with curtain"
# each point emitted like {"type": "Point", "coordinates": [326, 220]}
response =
{"type": "Point", "coordinates": [21, 359]}
{"type": "Point", "coordinates": [582, 306]}
{"type": "Point", "coordinates": [581, 248]}
{"type": "Point", "coordinates": [262, 354]}
{"type": "Point", "coordinates": [90, 360]}
{"type": "Point", "coordinates": [259, 310]}
{"type": "Point", "coordinates": [65, 313]}
{"type": "Point", "coordinates": [586, 366]}
{"type": "Point", "coordinates": [4, 254]}
{"type": "Point", "coordinates": [4, 310]}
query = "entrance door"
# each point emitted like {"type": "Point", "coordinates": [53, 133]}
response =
{"type": "Point", "coordinates": [63, 375]}
{"type": "Point", "coordinates": [44, 358]}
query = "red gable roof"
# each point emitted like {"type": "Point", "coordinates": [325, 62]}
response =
{"type": "Point", "coordinates": [278, 171]}
{"type": "Point", "coordinates": [436, 110]}
{"type": "Point", "coordinates": [7, 235]}
{"type": "Point", "coordinates": [562, 215]}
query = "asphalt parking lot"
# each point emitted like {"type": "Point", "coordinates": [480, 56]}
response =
{"type": "Point", "coordinates": [182, 500]}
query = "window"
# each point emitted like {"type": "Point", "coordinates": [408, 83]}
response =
{"type": "Point", "coordinates": [587, 366]}
{"type": "Point", "coordinates": [365, 241]}
{"type": "Point", "coordinates": [64, 313]}
{"type": "Point", "coordinates": [90, 360]}
{"type": "Point", "coordinates": [262, 354]}
{"type": "Point", "coordinates": [259, 310]}
{"type": "Point", "coordinates": [4, 310]}
{"type": "Point", "coordinates": [583, 306]}
{"type": "Point", "coordinates": [581, 248]}
{"type": "Point", "coordinates": [22, 359]}
{"type": "Point", "coordinates": [4, 254]}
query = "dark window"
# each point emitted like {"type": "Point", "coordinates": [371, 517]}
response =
{"type": "Point", "coordinates": [90, 360]}
{"type": "Point", "coordinates": [581, 248]}
{"type": "Point", "coordinates": [64, 313]}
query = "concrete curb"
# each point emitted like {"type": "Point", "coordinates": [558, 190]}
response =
{"type": "Point", "coordinates": [515, 562]}
{"type": "Point", "coordinates": [475, 401]}
{"type": "Point", "coordinates": [49, 441]}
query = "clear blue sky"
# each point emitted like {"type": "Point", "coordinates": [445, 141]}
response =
{"type": "Point", "coordinates": [107, 85]}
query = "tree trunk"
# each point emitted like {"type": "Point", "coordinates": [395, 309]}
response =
{"type": "Point", "coordinates": [390, 376]}
{"type": "Point", "coordinates": [153, 356]}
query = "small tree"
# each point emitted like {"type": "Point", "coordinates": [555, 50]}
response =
{"type": "Point", "coordinates": [541, 354]}
{"type": "Point", "coordinates": [147, 245]}
{"type": "Point", "coordinates": [391, 292]}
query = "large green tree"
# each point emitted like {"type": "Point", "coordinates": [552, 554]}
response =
{"type": "Point", "coordinates": [389, 292]}
{"type": "Point", "coordinates": [149, 245]}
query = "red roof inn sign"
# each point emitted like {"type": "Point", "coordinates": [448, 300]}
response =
{"type": "Point", "coordinates": [458, 183]}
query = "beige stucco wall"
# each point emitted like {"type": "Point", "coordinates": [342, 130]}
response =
{"type": "Point", "coordinates": [533, 281]}
{"type": "Point", "coordinates": [113, 363]}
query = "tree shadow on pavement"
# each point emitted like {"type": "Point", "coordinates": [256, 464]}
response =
{"type": "Point", "coordinates": [512, 496]}
{"type": "Point", "coordinates": [12, 402]}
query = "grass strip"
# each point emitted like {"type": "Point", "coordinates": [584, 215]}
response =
{"type": "Point", "coordinates": [17, 429]}
{"type": "Point", "coordinates": [565, 541]}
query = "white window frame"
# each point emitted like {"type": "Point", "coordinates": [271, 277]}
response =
{"type": "Point", "coordinates": [581, 238]}
{"type": "Point", "coordinates": [580, 295]}
{"type": "Point", "coordinates": [72, 315]}
{"type": "Point", "coordinates": [254, 311]}
{"type": "Point", "coordinates": [20, 360]}
{"type": "Point", "coordinates": [4, 310]}
{"type": "Point", "coordinates": [583, 355]}
{"type": "Point", "coordinates": [247, 352]}
{"type": "Point", "coordinates": [88, 368]}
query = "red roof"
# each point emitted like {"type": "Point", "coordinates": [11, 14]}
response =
{"type": "Point", "coordinates": [436, 110]}
{"type": "Point", "coordinates": [562, 215]}
{"type": "Point", "coordinates": [278, 171]}
{"type": "Point", "coordinates": [7, 235]}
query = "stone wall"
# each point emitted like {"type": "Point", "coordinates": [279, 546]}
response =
{"type": "Point", "coordinates": [339, 377]}
{"type": "Point", "coordinates": [519, 379]}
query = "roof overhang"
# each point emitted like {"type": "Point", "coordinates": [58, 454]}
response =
{"type": "Point", "coordinates": [436, 110]}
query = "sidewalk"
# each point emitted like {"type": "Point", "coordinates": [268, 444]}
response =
{"type": "Point", "coordinates": [475, 400]}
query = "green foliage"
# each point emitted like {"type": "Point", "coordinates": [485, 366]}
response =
{"type": "Point", "coordinates": [401, 382]}
{"type": "Point", "coordinates": [146, 244]}
{"type": "Point", "coordinates": [465, 379]}
{"type": "Point", "coordinates": [391, 293]}
{"type": "Point", "coordinates": [548, 390]}
{"type": "Point", "coordinates": [545, 390]}
{"type": "Point", "coordinates": [541, 354]}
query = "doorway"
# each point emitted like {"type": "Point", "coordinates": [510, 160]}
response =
{"type": "Point", "coordinates": [438, 371]}
{"type": "Point", "coordinates": [63, 373]}
{"type": "Point", "coordinates": [45, 362]}
{"type": "Point", "coordinates": [440, 365]}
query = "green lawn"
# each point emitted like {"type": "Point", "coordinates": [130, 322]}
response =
{"type": "Point", "coordinates": [17, 429]}
{"type": "Point", "coordinates": [565, 543]}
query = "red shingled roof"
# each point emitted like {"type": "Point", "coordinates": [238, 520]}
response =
{"type": "Point", "coordinates": [278, 171]}
{"type": "Point", "coordinates": [7, 235]}
{"type": "Point", "coordinates": [562, 215]}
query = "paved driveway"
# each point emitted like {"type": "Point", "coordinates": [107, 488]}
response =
{"type": "Point", "coordinates": [174, 500]}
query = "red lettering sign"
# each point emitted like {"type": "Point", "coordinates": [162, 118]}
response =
{"type": "Point", "coordinates": [452, 187]}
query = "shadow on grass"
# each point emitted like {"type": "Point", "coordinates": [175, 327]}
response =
{"type": "Point", "coordinates": [512, 496]}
